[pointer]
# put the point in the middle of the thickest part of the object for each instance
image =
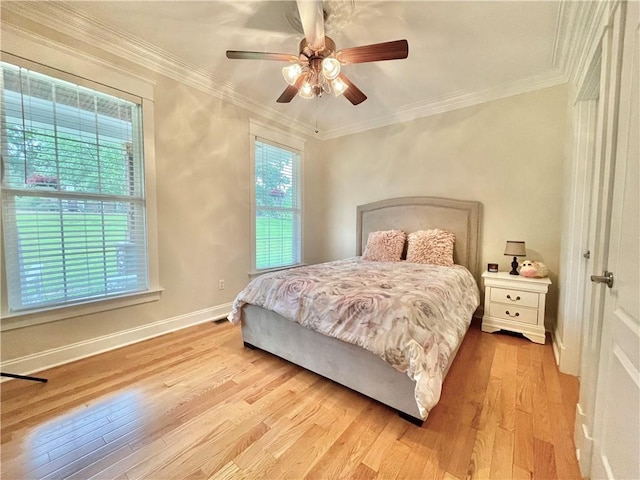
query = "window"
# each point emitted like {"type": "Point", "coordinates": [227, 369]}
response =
{"type": "Point", "coordinates": [73, 191]}
{"type": "Point", "coordinates": [277, 204]}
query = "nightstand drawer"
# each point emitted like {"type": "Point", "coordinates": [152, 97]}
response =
{"type": "Point", "coordinates": [513, 313]}
{"type": "Point", "coordinates": [514, 297]}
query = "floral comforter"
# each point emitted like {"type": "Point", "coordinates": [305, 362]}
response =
{"type": "Point", "coordinates": [411, 315]}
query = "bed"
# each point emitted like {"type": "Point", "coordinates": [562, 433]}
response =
{"type": "Point", "coordinates": [349, 364]}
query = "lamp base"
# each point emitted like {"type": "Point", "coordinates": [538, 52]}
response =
{"type": "Point", "coordinates": [514, 267]}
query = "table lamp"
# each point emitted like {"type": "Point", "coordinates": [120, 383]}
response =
{"type": "Point", "coordinates": [515, 249]}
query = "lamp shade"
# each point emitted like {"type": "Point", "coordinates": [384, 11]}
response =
{"type": "Point", "coordinates": [291, 73]}
{"type": "Point", "coordinates": [330, 68]}
{"type": "Point", "coordinates": [306, 90]}
{"type": "Point", "coordinates": [515, 248]}
{"type": "Point", "coordinates": [338, 86]}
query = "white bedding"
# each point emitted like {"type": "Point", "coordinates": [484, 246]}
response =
{"type": "Point", "coordinates": [411, 315]}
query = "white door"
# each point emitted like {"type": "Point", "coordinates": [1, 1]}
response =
{"type": "Point", "coordinates": [598, 116]}
{"type": "Point", "coordinates": [616, 434]}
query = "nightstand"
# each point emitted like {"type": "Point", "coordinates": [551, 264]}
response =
{"type": "Point", "coordinates": [515, 303]}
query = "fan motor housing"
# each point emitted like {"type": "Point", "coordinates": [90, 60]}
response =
{"type": "Point", "coordinates": [309, 53]}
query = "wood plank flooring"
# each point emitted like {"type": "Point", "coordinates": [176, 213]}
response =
{"type": "Point", "coordinates": [196, 404]}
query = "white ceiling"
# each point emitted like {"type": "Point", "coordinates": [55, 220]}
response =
{"type": "Point", "coordinates": [459, 52]}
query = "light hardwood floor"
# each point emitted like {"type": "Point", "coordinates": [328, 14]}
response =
{"type": "Point", "coordinates": [197, 404]}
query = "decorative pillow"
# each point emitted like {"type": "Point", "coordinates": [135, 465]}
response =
{"type": "Point", "coordinates": [385, 246]}
{"type": "Point", "coordinates": [431, 246]}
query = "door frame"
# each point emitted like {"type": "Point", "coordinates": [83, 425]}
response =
{"type": "Point", "coordinates": [589, 23]}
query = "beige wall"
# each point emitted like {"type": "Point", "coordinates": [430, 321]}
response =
{"type": "Point", "coordinates": [507, 154]}
{"type": "Point", "coordinates": [203, 204]}
{"type": "Point", "coordinates": [202, 162]}
{"type": "Point", "coordinates": [315, 213]}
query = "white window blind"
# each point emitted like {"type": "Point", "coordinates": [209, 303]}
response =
{"type": "Point", "coordinates": [278, 216]}
{"type": "Point", "coordinates": [73, 192]}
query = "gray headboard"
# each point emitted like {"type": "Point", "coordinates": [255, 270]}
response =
{"type": "Point", "coordinates": [421, 213]}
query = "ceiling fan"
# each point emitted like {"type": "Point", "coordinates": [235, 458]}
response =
{"type": "Point", "coordinates": [316, 69]}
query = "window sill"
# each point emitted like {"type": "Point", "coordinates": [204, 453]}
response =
{"type": "Point", "coordinates": [13, 320]}
{"type": "Point", "coordinates": [256, 273]}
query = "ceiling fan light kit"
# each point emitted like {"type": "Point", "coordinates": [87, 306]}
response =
{"type": "Point", "coordinates": [319, 74]}
{"type": "Point", "coordinates": [317, 69]}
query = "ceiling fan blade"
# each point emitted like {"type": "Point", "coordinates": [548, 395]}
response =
{"type": "Point", "coordinates": [352, 93]}
{"type": "Point", "coordinates": [312, 19]}
{"type": "Point", "coordinates": [288, 94]}
{"type": "Point", "coordinates": [291, 90]}
{"type": "Point", "coordinates": [243, 55]}
{"type": "Point", "coordinates": [374, 53]}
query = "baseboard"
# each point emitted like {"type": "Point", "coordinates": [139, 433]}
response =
{"type": "Point", "coordinates": [59, 356]}
{"type": "Point", "coordinates": [567, 359]}
{"type": "Point", "coordinates": [556, 343]}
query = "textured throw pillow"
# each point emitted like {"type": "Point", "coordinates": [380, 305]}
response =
{"type": "Point", "coordinates": [385, 246]}
{"type": "Point", "coordinates": [431, 246]}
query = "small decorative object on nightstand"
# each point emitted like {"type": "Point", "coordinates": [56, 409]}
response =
{"type": "Point", "coordinates": [515, 249]}
{"type": "Point", "coordinates": [515, 303]}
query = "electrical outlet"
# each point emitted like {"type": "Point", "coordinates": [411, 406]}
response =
{"type": "Point", "coordinates": [220, 284]}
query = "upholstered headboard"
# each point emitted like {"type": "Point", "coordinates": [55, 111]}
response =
{"type": "Point", "coordinates": [421, 213]}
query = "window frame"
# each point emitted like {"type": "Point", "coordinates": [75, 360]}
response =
{"type": "Point", "coordinates": [259, 130]}
{"type": "Point", "coordinates": [83, 72]}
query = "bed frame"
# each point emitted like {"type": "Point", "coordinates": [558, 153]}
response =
{"type": "Point", "coordinates": [348, 364]}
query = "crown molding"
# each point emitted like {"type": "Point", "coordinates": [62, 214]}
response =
{"type": "Point", "coordinates": [63, 18]}
{"type": "Point", "coordinates": [17, 42]}
{"type": "Point", "coordinates": [580, 29]}
{"type": "Point", "coordinates": [452, 102]}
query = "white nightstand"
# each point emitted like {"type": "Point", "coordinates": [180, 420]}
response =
{"type": "Point", "coordinates": [515, 303]}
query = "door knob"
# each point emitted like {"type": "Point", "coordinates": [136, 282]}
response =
{"type": "Point", "coordinates": [606, 277]}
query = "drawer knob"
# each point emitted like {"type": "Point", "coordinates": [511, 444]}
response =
{"type": "Point", "coordinates": [513, 299]}
{"type": "Point", "coordinates": [516, 315]}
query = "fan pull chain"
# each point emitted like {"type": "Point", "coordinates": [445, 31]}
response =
{"type": "Point", "coordinates": [317, 116]}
